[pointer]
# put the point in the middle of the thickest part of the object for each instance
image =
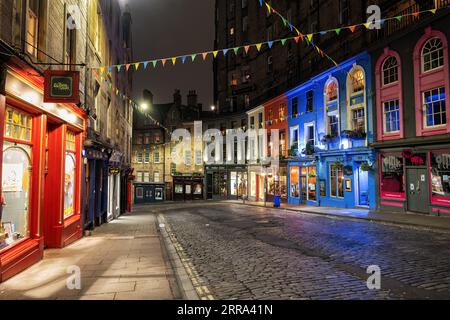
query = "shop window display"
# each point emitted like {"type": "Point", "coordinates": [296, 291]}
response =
{"type": "Point", "coordinates": [16, 179]}
{"type": "Point", "coordinates": [392, 175]}
{"type": "Point", "coordinates": [440, 174]}
{"type": "Point", "coordinates": [295, 192]}
{"type": "Point", "coordinates": [179, 189]}
{"type": "Point", "coordinates": [69, 185]}
{"type": "Point", "coordinates": [336, 181]}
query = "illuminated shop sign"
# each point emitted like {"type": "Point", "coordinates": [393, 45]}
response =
{"type": "Point", "coordinates": [29, 94]}
{"type": "Point", "coordinates": [61, 86]}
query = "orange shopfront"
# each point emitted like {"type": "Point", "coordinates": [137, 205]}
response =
{"type": "Point", "coordinates": [40, 171]}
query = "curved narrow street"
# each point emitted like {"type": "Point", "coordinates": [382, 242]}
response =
{"type": "Point", "coordinates": [242, 252]}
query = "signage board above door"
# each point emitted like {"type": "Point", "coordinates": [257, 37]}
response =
{"type": "Point", "coordinates": [61, 86]}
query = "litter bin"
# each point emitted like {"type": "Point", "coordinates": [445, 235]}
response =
{"type": "Point", "coordinates": [276, 202]}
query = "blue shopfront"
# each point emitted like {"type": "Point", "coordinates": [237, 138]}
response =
{"type": "Point", "coordinates": [95, 188]}
{"type": "Point", "coordinates": [330, 129]}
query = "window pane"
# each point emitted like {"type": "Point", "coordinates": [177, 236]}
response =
{"type": "Point", "coordinates": [69, 185]}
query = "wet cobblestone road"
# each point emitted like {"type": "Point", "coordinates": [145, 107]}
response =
{"type": "Point", "coordinates": [243, 252]}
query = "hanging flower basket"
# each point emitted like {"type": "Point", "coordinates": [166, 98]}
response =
{"type": "Point", "coordinates": [365, 167]}
{"type": "Point", "coordinates": [354, 134]}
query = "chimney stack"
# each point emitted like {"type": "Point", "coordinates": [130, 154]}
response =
{"type": "Point", "coordinates": [192, 99]}
{"type": "Point", "coordinates": [177, 98]}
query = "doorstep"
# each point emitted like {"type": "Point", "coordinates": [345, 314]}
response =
{"type": "Point", "coordinates": [405, 219]}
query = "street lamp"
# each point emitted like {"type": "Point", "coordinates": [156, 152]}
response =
{"type": "Point", "coordinates": [213, 108]}
{"type": "Point", "coordinates": [144, 106]}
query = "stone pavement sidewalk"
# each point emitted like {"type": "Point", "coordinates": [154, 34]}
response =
{"type": "Point", "coordinates": [122, 260]}
{"type": "Point", "coordinates": [406, 219]}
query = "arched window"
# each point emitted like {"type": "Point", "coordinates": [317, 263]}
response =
{"type": "Point", "coordinates": [432, 55]}
{"type": "Point", "coordinates": [358, 80]}
{"type": "Point", "coordinates": [390, 70]}
{"type": "Point", "coordinates": [331, 91]}
{"type": "Point", "coordinates": [332, 107]}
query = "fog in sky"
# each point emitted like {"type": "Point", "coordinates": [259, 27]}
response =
{"type": "Point", "coordinates": [166, 28]}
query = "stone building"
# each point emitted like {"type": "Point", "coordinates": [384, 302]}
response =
{"type": "Point", "coordinates": [108, 143]}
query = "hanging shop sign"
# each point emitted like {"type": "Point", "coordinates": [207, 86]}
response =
{"type": "Point", "coordinates": [61, 86]}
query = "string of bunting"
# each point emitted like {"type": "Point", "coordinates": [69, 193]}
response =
{"type": "Point", "coordinates": [308, 38]}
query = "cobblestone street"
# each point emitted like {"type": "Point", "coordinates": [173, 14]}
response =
{"type": "Point", "coordinates": [243, 252]}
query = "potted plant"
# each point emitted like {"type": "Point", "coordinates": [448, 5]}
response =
{"type": "Point", "coordinates": [365, 167]}
{"type": "Point", "coordinates": [328, 138]}
{"type": "Point", "coordinates": [309, 149]}
{"type": "Point", "coordinates": [293, 151]}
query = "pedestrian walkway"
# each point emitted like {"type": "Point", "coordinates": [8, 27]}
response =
{"type": "Point", "coordinates": [408, 219]}
{"type": "Point", "coordinates": [122, 260]}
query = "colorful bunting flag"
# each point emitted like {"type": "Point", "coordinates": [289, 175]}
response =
{"type": "Point", "coordinates": [145, 64]}
{"type": "Point", "coordinates": [127, 66]}
{"type": "Point", "coordinates": [270, 44]}
{"type": "Point", "coordinates": [193, 57]}
{"type": "Point", "coordinates": [246, 48]}
{"type": "Point", "coordinates": [136, 66]}
{"type": "Point", "coordinates": [225, 51]}
{"type": "Point", "coordinates": [258, 46]}
{"type": "Point", "coordinates": [154, 62]}
{"type": "Point", "coordinates": [352, 28]}
{"type": "Point", "coordinates": [174, 60]}
{"type": "Point", "coordinates": [215, 53]}
{"type": "Point", "coordinates": [309, 37]}
{"type": "Point", "coordinates": [338, 31]}
{"type": "Point", "coordinates": [236, 50]}
{"type": "Point", "coordinates": [183, 59]}
{"type": "Point", "coordinates": [283, 41]}
{"type": "Point", "coordinates": [205, 55]}
{"type": "Point", "coordinates": [163, 61]}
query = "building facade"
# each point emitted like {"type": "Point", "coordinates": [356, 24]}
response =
{"type": "Point", "coordinates": [331, 127]}
{"type": "Point", "coordinates": [41, 160]}
{"type": "Point", "coordinates": [413, 122]}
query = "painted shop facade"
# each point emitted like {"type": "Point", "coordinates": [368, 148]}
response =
{"type": "Point", "coordinates": [330, 128]}
{"type": "Point", "coordinates": [413, 121]}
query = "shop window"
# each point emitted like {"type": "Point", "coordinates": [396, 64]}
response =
{"type": "Point", "coordinates": [391, 116]}
{"type": "Point", "coordinates": [70, 141]}
{"type": "Point", "coordinates": [16, 181]}
{"type": "Point", "coordinates": [140, 193]}
{"type": "Point", "coordinates": [198, 189]}
{"type": "Point", "coordinates": [390, 70]}
{"type": "Point", "coordinates": [294, 182]}
{"type": "Point", "coordinates": [432, 55]}
{"type": "Point", "coordinates": [440, 174]}
{"type": "Point", "coordinates": [179, 189]}
{"type": "Point", "coordinates": [69, 185]}
{"type": "Point", "coordinates": [392, 176]}
{"type": "Point", "coordinates": [336, 181]}
{"type": "Point", "coordinates": [434, 107]}
{"type": "Point", "coordinates": [17, 125]}
{"type": "Point", "coordinates": [312, 183]}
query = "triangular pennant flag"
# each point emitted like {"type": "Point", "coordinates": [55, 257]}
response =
{"type": "Point", "coordinates": [174, 60]}
{"type": "Point", "coordinates": [283, 41]}
{"type": "Point", "coordinates": [260, 2]}
{"type": "Point", "coordinates": [246, 48]}
{"type": "Point", "coordinates": [163, 61]}
{"type": "Point", "coordinates": [381, 21]}
{"type": "Point", "coordinates": [205, 55]}
{"type": "Point", "coordinates": [291, 27]}
{"type": "Point", "coordinates": [268, 7]}
{"type": "Point", "coordinates": [416, 14]}
{"type": "Point", "coordinates": [297, 39]}
{"type": "Point", "coordinates": [433, 11]}
{"type": "Point", "coordinates": [318, 49]}
{"type": "Point", "coordinates": [102, 69]}
{"type": "Point", "coordinates": [338, 31]}
{"type": "Point", "coordinates": [154, 62]}
{"type": "Point", "coordinates": [136, 65]}
{"type": "Point", "coordinates": [193, 57]}
{"type": "Point", "coordinates": [215, 53]}
{"type": "Point", "coordinates": [399, 18]}
{"type": "Point", "coordinates": [127, 67]}
{"type": "Point", "coordinates": [322, 33]}
{"type": "Point", "coordinates": [119, 67]}
{"type": "Point", "coordinates": [110, 69]}
{"type": "Point", "coordinates": [258, 46]}
{"type": "Point", "coordinates": [270, 44]}
{"type": "Point", "coordinates": [285, 22]}
{"type": "Point", "coordinates": [367, 25]}
{"type": "Point", "coordinates": [352, 28]}
{"type": "Point", "coordinates": [145, 64]}
{"type": "Point", "coordinates": [117, 92]}
{"type": "Point", "coordinates": [302, 37]}
{"type": "Point", "coordinates": [183, 59]}
{"type": "Point", "coordinates": [309, 37]}
{"type": "Point", "coordinates": [236, 50]}
{"type": "Point", "coordinates": [225, 51]}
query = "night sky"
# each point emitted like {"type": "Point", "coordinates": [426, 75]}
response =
{"type": "Point", "coordinates": [165, 28]}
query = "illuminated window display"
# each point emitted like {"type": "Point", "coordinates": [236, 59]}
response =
{"type": "Point", "coordinates": [295, 192]}
{"type": "Point", "coordinates": [392, 175]}
{"type": "Point", "coordinates": [69, 185]}
{"type": "Point", "coordinates": [337, 181]}
{"type": "Point", "coordinates": [14, 220]}
{"type": "Point", "coordinates": [440, 174]}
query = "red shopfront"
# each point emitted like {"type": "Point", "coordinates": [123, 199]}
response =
{"type": "Point", "coordinates": [41, 172]}
{"type": "Point", "coordinates": [416, 181]}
